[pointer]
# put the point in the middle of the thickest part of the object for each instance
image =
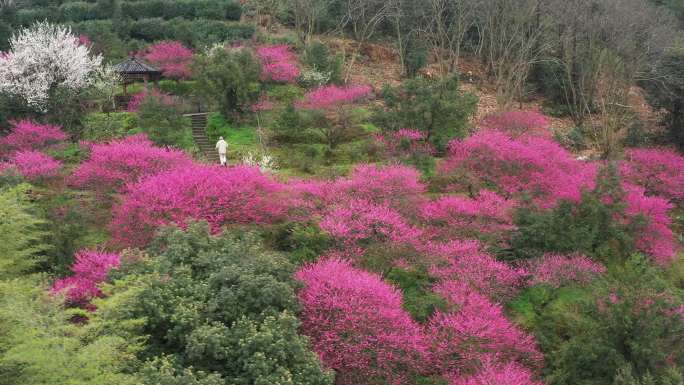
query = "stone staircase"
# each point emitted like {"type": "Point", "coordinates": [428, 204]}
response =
{"type": "Point", "coordinates": [207, 149]}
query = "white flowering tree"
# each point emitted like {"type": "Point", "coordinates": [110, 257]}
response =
{"type": "Point", "coordinates": [45, 58]}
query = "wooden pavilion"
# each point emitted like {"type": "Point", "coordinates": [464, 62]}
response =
{"type": "Point", "coordinates": [134, 70]}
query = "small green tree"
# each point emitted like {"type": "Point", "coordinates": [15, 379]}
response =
{"type": "Point", "coordinates": [229, 78]}
{"type": "Point", "coordinates": [21, 236]}
{"type": "Point", "coordinates": [223, 306]}
{"type": "Point", "coordinates": [438, 108]}
{"type": "Point", "coordinates": [164, 123]}
{"type": "Point", "coordinates": [41, 345]}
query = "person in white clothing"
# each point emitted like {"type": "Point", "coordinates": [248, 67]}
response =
{"type": "Point", "coordinates": [222, 147]}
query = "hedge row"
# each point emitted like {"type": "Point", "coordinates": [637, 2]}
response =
{"type": "Point", "coordinates": [197, 32]}
{"type": "Point", "coordinates": [80, 11]}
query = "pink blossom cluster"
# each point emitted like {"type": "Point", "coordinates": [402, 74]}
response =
{"type": "Point", "coordinates": [357, 325]}
{"type": "Point", "coordinates": [171, 57]}
{"type": "Point", "coordinates": [360, 221]}
{"type": "Point", "coordinates": [90, 269]}
{"type": "Point", "coordinates": [559, 270]}
{"type": "Point", "coordinates": [493, 373]}
{"type": "Point", "coordinates": [34, 165]}
{"type": "Point", "coordinates": [113, 165]}
{"type": "Point", "coordinates": [477, 330]}
{"type": "Point", "coordinates": [139, 98]}
{"type": "Point", "coordinates": [278, 64]}
{"type": "Point", "coordinates": [515, 166]}
{"type": "Point", "coordinates": [486, 213]}
{"type": "Point", "coordinates": [398, 187]}
{"type": "Point", "coordinates": [84, 40]}
{"type": "Point", "coordinates": [518, 123]}
{"type": "Point", "coordinates": [29, 135]}
{"type": "Point", "coordinates": [471, 266]}
{"type": "Point", "coordinates": [219, 195]}
{"type": "Point", "coordinates": [332, 96]}
{"type": "Point", "coordinates": [658, 171]}
{"type": "Point", "coordinates": [654, 236]}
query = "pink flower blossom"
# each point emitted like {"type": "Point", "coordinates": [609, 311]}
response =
{"type": "Point", "coordinates": [515, 166]}
{"type": "Point", "coordinates": [90, 269]}
{"type": "Point", "coordinates": [84, 40]}
{"type": "Point", "coordinates": [357, 325]}
{"type": "Point", "coordinates": [559, 270]}
{"type": "Point", "coordinates": [219, 195]}
{"type": "Point", "coordinates": [171, 57]}
{"type": "Point", "coordinates": [658, 171]}
{"type": "Point", "coordinates": [472, 266]}
{"type": "Point", "coordinates": [361, 221]}
{"type": "Point", "coordinates": [475, 331]}
{"type": "Point", "coordinates": [278, 64]}
{"type": "Point", "coordinates": [654, 236]}
{"type": "Point", "coordinates": [493, 373]}
{"type": "Point", "coordinates": [332, 96]}
{"type": "Point", "coordinates": [34, 165]}
{"type": "Point", "coordinates": [29, 135]}
{"type": "Point", "coordinates": [487, 213]}
{"type": "Point", "coordinates": [112, 165]}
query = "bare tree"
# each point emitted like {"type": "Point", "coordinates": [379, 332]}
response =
{"type": "Point", "coordinates": [362, 17]}
{"type": "Point", "coordinates": [445, 25]}
{"type": "Point", "coordinates": [307, 15]}
{"type": "Point", "coordinates": [512, 41]}
{"type": "Point", "coordinates": [594, 42]}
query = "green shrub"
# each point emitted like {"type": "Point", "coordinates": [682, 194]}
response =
{"type": "Point", "coordinates": [216, 126]}
{"type": "Point", "coordinates": [304, 242]}
{"type": "Point", "coordinates": [318, 56]}
{"type": "Point", "coordinates": [416, 56]}
{"type": "Point", "coordinates": [228, 79]}
{"type": "Point", "coordinates": [21, 236]}
{"type": "Point", "coordinates": [436, 108]}
{"type": "Point", "coordinates": [76, 11]}
{"type": "Point", "coordinates": [100, 127]}
{"type": "Point", "coordinates": [416, 285]}
{"type": "Point", "coordinates": [164, 124]}
{"type": "Point", "coordinates": [224, 306]}
{"type": "Point", "coordinates": [179, 88]}
{"type": "Point", "coordinates": [590, 227]}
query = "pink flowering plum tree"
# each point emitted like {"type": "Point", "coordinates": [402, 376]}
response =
{"type": "Point", "coordinates": [171, 57]}
{"type": "Point", "coordinates": [111, 166]}
{"type": "Point", "coordinates": [360, 222]}
{"type": "Point", "coordinates": [455, 215]}
{"type": "Point", "coordinates": [221, 196]}
{"type": "Point", "coordinates": [518, 123]}
{"type": "Point", "coordinates": [278, 64]}
{"type": "Point", "coordinates": [357, 325]}
{"type": "Point", "coordinates": [29, 135]}
{"type": "Point", "coordinates": [659, 171]}
{"type": "Point", "coordinates": [89, 269]}
{"type": "Point", "coordinates": [333, 96]}
{"type": "Point", "coordinates": [398, 187]}
{"type": "Point", "coordinates": [492, 373]}
{"type": "Point", "coordinates": [474, 332]}
{"type": "Point", "coordinates": [514, 166]}
{"type": "Point", "coordinates": [472, 266]}
{"type": "Point", "coordinates": [650, 216]}
{"type": "Point", "coordinates": [560, 270]}
{"type": "Point", "coordinates": [34, 165]}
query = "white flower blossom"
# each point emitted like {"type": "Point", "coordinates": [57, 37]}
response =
{"type": "Point", "coordinates": [266, 163]}
{"type": "Point", "coordinates": [44, 57]}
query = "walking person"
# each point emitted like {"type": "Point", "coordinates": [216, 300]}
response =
{"type": "Point", "coordinates": [222, 147]}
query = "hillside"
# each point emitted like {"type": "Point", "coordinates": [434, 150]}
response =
{"type": "Point", "coordinates": [414, 193]}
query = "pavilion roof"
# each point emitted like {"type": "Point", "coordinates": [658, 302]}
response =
{"type": "Point", "coordinates": [135, 66]}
